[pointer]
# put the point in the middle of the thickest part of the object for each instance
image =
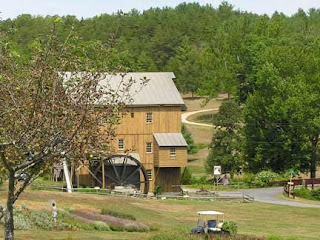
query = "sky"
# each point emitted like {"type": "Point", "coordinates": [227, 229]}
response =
{"type": "Point", "coordinates": [90, 8]}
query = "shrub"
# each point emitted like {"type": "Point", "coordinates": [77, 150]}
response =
{"type": "Point", "coordinates": [316, 194]}
{"type": "Point", "coordinates": [262, 178]}
{"type": "Point", "coordinates": [303, 193]}
{"type": "Point", "coordinates": [157, 190]}
{"type": "Point", "coordinates": [199, 181]}
{"type": "Point", "coordinates": [101, 226]}
{"type": "Point", "coordinates": [117, 214]}
{"type": "Point", "coordinates": [42, 219]}
{"type": "Point", "coordinates": [186, 176]}
{"type": "Point", "coordinates": [21, 220]}
{"type": "Point", "coordinates": [191, 149]}
{"type": "Point", "coordinates": [248, 178]}
{"type": "Point", "coordinates": [230, 227]}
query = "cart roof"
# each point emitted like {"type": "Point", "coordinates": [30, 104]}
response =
{"type": "Point", "coordinates": [210, 213]}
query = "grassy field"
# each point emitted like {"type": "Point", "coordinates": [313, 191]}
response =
{"type": "Point", "coordinates": [173, 216]}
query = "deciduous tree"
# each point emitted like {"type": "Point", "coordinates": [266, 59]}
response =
{"type": "Point", "coordinates": [46, 112]}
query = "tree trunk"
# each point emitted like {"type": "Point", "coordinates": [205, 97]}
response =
{"type": "Point", "coordinates": [9, 227]}
{"type": "Point", "coordinates": [313, 166]}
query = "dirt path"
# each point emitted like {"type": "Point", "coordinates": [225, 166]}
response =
{"type": "Point", "coordinates": [185, 115]}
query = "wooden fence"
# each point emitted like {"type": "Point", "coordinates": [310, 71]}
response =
{"type": "Point", "coordinates": [306, 182]}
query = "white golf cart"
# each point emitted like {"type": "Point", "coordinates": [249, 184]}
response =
{"type": "Point", "coordinates": [209, 222]}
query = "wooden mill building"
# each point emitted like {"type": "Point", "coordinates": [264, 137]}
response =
{"type": "Point", "coordinates": [148, 144]}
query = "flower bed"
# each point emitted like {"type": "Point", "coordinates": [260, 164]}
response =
{"type": "Point", "coordinates": [116, 224]}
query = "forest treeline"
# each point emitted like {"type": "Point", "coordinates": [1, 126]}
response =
{"type": "Point", "coordinates": [271, 64]}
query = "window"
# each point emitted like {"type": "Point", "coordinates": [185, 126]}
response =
{"type": "Point", "coordinates": [149, 173]}
{"type": "Point", "coordinates": [149, 117]}
{"type": "Point", "coordinates": [121, 144]}
{"type": "Point", "coordinates": [149, 147]}
{"type": "Point", "coordinates": [132, 114]}
{"type": "Point", "coordinates": [172, 153]}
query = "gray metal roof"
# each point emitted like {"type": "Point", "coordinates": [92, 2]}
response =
{"type": "Point", "coordinates": [159, 90]}
{"type": "Point", "coordinates": [170, 140]}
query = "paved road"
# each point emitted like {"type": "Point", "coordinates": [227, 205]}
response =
{"type": "Point", "coordinates": [185, 115]}
{"type": "Point", "coordinates": [265, 195]}
{"type": "Point", "coordinates": [269, 195]}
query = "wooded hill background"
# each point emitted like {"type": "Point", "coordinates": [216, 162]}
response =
{"type": "Point", "coordinates": [271, 65]}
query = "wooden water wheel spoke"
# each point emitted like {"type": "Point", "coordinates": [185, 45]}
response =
{"type": "Point", "coordinates": [131, 174]}
{"type": "Point", "coordinates": [123, 170]}
{"type": "Point", "coordinates": [112, 178]}
{"type": "Point", "coordinates": [124, 165]}
{"type": "Point", "coordinates": [115, 170]}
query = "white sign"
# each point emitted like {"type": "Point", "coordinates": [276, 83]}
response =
{"type": "Point", "coordinates": [217, 170]}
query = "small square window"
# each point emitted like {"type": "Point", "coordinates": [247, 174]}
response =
{"type": "Point", "coordinates": [149, 173]}
{"type": "Point", "coordinates": [149, 147]}
{"type": "Point", "coordinates": [172, 153]}
{"type": "Point", "coordinates": [121, 144]}
{"type": "Point", "coordinates": [149, 117]}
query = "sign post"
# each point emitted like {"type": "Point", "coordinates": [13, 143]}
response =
{"type": "Point", "coordinates": [216, 174]}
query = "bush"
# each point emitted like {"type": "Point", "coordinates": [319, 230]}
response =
{"type": "Point", "coordinates": [186, 176]}
{"type": "Point", "coordinates": [248, 178]}
{"type": "Point", "coordinates": [101, 226]}
{"type": "Point", "coordinates": [262, 178]}
{"type": "Point", "coordinates": [42, 220]}
{"type": "Point", "coordinates": [316, 194]}
{"type": "Point", "coordinates": [191, 148]}
{"type": "Point", "coordinates": [199, 181]}
{"type": "Point", "coordinates": [157, 190]}
{"type": "Point", "coordinates": [303, 193]}
{"type": "Point", "coordinates": [21, 220]}
{"type": "Point", "coordinates": [117, 214]}
{"type": "Point", "coordinates": [230, 227]}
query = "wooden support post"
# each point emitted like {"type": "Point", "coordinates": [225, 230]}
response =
{"type": "Point", "coordinates": [103, 175]}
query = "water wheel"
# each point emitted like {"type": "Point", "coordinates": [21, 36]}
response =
{"type": "Point", "coordinates": [122, 170]}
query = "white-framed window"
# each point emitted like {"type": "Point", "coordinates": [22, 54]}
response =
{"type": "Point", "coordinates": [120, 144]}
{"type": "Point", "coordinates": [149, 117]}
{"type": "Point", "coordinates": [149, 174]}
{"type": "Point", "coordinates": [149, 147]}
{"type": "Point", "coordinates": [172, 153]}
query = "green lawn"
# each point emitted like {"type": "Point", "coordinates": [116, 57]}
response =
{"type": "Point", "coordinates": [173, 216]}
